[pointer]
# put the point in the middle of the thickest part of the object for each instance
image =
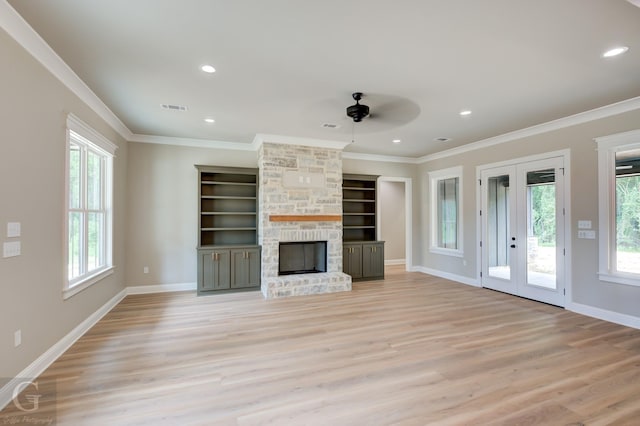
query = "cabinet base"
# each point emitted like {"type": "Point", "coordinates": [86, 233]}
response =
{"type": "Point", "coordinates": [226, 290]}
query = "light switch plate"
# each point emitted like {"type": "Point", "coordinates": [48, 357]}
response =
{"type": "Point", "coordinates": [13, 229]}
{"type": "Point", "coordinates": [589, 235]}
{"type": "Point", "coordinates": [584, 224]}
{"type": "Point", "coordinates": [11, 249]}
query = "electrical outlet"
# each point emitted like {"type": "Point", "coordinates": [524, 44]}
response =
{"type": "Point", "coordinates": [145, 270]}
{"type": "Point", "coordinates": [17, 338]}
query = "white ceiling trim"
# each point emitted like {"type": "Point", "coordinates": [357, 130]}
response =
{"type": "Point", "coordinates": [21, 32]}
{"type": "Point", "coordinates": [383, 158]}
{"type": "Point", "coordinates": [292, 140]}
{"type": "Point", "coordinates": [561, 123]}
{"type": "Point", "coordinates": [194, 143]}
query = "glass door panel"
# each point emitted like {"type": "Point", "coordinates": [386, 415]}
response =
{"type": "Point", "coordinates": [498, 238]}
{"type": "Point", "coordinates": [498, 234]}
{"type": "Point", "coordinates": [541, 228]}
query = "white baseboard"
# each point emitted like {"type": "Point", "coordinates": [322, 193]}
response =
{"type": "Point", "coordinates": [603, 314]}
{"type": "Point", "coordinates": [395, 262]}
{"type": "Point", "coordinates": [38, 366]}
{"type": "Point", "coordinates": [453, 277]}
{"type": "Point", "coordinates": [160, 288]}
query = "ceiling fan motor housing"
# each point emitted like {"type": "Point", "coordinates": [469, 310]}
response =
{"type": "Point", "coordinates": [357, 112]}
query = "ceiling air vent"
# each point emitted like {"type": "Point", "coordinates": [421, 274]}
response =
{"type": "Point", "coordinates": [442, 139]}
{"type": "Point", "coordinates": [174, 107]}
{"type": "Point", "coordinates": [330, 125]}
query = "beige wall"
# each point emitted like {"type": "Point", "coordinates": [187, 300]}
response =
{"type": "Point", "coordinates": [587, 288]}
{"type": "Point", "coordinates": [33, 116]}
{"type": "Point", "coordinates": [162, 209]}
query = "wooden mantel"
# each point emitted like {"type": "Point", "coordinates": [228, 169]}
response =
{"type": "Point", "coordinates": [305, 218]}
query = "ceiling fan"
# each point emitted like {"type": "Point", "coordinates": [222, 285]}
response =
{"type": "Point", "coordinates": [357, 112]}
{"type": "Point", "coordinates": [371, 113]}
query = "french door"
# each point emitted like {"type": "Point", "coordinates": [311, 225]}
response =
{"type": "Point", "coordinates": [522, 216]}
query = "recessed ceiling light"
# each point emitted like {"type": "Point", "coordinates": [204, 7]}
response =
{"type": "Point", "coordinates": [465, 112]}
{"type": "Point", "coordinates": [442, 139]}
{"type": "Point", "coordinates": [615, 51]}
{"type": "Point", "coordinates": [209, 120]}
{"type": "Point", "coordinates": [396, 141]}
{"type": "Point", "coordinates": [208, 68]}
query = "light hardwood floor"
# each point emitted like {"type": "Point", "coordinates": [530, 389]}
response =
{"type": "Point", "coordinates": [411, 350]}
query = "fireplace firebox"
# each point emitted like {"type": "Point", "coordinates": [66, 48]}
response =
{"type": "Point", "coordinates": [302, 257]}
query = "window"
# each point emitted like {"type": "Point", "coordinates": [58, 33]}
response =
{"type": "Point", "coordinates": [446, 208]}
{"type": "Point", "coordinates": [619, 203]}
{"type": "Point", "coordinates": [88, 208]}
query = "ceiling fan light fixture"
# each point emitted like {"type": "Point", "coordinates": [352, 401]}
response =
{"type": "Point", "coordinates": [357, 112]}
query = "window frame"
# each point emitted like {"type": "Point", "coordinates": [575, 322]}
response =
{"type": "Point", "coordinates": [608, 147]}
{"type": "Point", "coordinates": [435, 178]}
{"type": "Point", "coordinates": [82, 135]}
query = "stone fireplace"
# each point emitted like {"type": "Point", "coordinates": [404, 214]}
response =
{"type": "Point", "coordinates": [300, 200]}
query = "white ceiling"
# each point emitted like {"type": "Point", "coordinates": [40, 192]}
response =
{"type": "Point", "coordinates": [285, 67]}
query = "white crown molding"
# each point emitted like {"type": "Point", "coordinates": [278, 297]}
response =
{"type": "Point", "coordinates": [292, 140]}
{"type": "Point", "coordinates": [375, 157]}
{"type": "Point", "coordinates": [572, 120]}
{"type": "Point", "coordinates": [194, 143]}
{"type": "Point", "coordinates": [21, 32]}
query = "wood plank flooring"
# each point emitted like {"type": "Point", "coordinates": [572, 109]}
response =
{"type": "Point", "coordinates": [410, 350]}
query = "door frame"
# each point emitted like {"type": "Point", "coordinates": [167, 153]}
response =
{"type": "Point", "coordinates": [566, 157]}
{"type": "Point", "coordinates": [408, 216]}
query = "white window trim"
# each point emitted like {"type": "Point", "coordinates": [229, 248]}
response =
{"type": "Point", "coordinates": [434, 177]}
{"type": "Point", "coordinates": [99, 143]}
{"type": "Point", "coordinates": [608, 146]}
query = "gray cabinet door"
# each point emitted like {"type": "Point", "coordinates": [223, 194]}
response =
{"type": "Point", "coordinates": [215, 270]}
{"type": "Point", "coordinates": [352, 260]}
{"type": "Point", "coordinates": [372, 260]}
{"type": "Point", "coordinates": [245, 267]}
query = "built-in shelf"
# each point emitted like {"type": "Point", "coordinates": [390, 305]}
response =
{"type": "Point", "coordinates": [358, 208]}
{"type": "Point", "coordinates": [228, 254]}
